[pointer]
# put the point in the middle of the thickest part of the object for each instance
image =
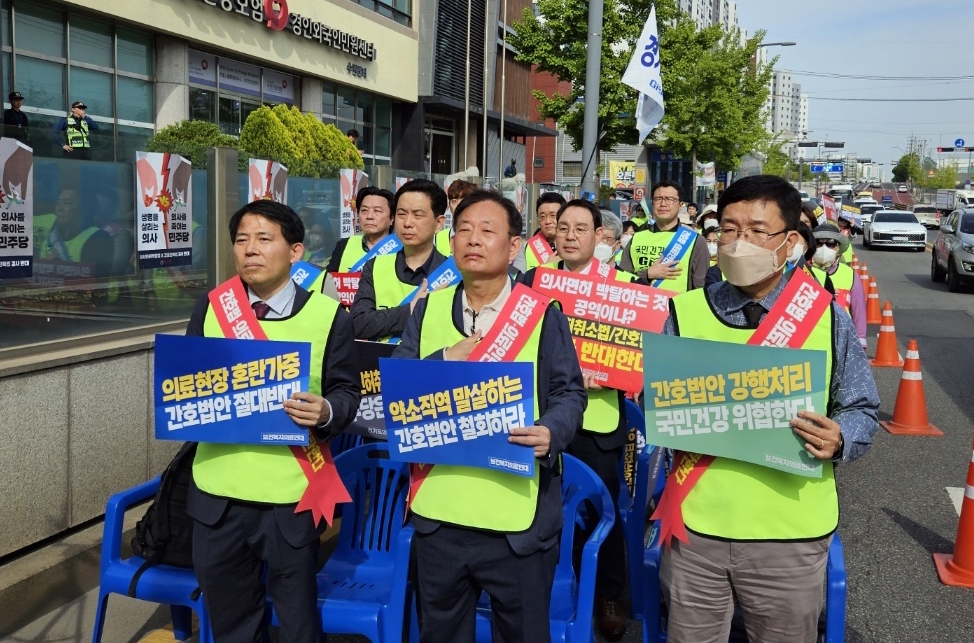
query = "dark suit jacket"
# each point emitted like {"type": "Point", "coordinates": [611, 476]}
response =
{"type": "Point", "coordinates": [561, 403]}
{"type": "Point", "coordinates": [340, 385]}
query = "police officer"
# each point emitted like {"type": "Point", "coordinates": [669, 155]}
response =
{"type": "Point", "coordinates": [643, 255]}
{"type": "Point", "coordinates": [378, 310]}
{"type": "Point", "coordinates": [243, 497]}
{"type": "Point", "coordinates": [757, 535]}
{"type": "Point", "coordinates": [15, 122]}
{"type": "Point", "coordinates": [603, 437]}
{"type": "Point", "coordinates": [501, 533]}
{"type": "Point", "coordinates": [73, 133]}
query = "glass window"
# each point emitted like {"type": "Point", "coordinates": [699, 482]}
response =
{"type": "Point", "coordinates": [346, 104]}
{"type": "Point", "coordinates": [383, 113]}
{"type": "Point", "coordinates": [135, 52]}
{"type": "Point", "coordinates": [403, 6]}
{"type": "Point", "coordinates": [230, 116]}
{"type": "Point", "coordinates": [383, 142]}
{"type": "Point", "coordinates": [246, 108]}
{"type": "Point", "coordinates": [5, 22]}
{"type": "Point", "coordinates": [95, 89]}
{"type": "Point", "coordinates": [385, 11]}
{"type": "Point", "coordinates": [8, 78]}
{"type": "Point", "coordinates": [202, 105]}
{"type": "Point", "coordinates": [363, 110]}
{"type": "Point", "coordinates": [405, 21]}
{"type": "Point", "coordinates": [131, 140]}
{"type": "Point", "coordinates": [344, 126]}
{"type": "Point", "coordinates": [368, 4]}
{"type": "Point", "coordinates": [41, 82]}
{"type": "Point", "coordinates": [40, 30]}
{"type": "Point", "coordinates": [90, 42]}
{"type": "Point", "coordinates": [328, 100]}
{"type": "Point", "coordinates": [328, 120]}
{"type": "Point", "coordinates": [135, 99]}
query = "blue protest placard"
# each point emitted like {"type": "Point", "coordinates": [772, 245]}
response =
{"type": "Point", "coordinates": [228, 390]}
{"type": "Point", "coordinates": [458, 413]}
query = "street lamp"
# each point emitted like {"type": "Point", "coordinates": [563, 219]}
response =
{"type": "Point", "coordinates": [778, 44]}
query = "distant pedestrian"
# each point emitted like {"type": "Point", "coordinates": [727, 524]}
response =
{"type": "Point", "coordinates": [73, 133]}
{"type": "Point", "coordinates": [511, 170]}
{"type": "Point", "coordinates": [15, 123]}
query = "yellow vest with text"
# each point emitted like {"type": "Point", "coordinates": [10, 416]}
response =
{"type": "Point", "coordinates": [646, 246]}
{"type": "Point", "coordinates": [472, 496]}
{"type": "Point", "coordinates": [258, 473]}
{"type": "Point", "coordinates": [44, 223]}
{"type": "Point", "coordinates": [743, 501]}
{"type": "Point", "coordinates": [442, 242]}
{"type": "Point", "coordinates": [76, 133]}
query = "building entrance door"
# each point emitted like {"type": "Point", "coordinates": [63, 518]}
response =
{"type": "Point", "coordinates": [441, 146]}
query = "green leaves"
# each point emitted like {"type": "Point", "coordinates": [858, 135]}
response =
{"type": "Point", "coordinates": [190, 139]}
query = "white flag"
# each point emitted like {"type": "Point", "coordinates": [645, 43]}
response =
{"type": "Point", "coordinates": [643, 75]}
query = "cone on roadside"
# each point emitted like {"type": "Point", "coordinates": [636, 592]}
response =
{"type": "Point", "coordinates": [958, 569]}
{"type": "Point", "coordinates": [887, 353]}
{"type": "Point", "coordinates": [873, 314]}
{"type": "Point", "coordinates": [863, 271]}
{"type": "Point", "coordinates": [910, 412]}
{"type": "Point", "coordinates": [855, 264]}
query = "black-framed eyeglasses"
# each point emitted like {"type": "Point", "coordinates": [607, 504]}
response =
{"type": "Point", "coordinates": [757, 235]}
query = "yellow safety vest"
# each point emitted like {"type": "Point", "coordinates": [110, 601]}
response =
{"type": "Point", "coordinates": [259, 473]}
{"type": "Point", "coordinates": [442, 242]}
{"type": "Point", "coordinates": [848, 254]}
{"type": "Point", "coordinates": [472, 496]}
{"type": "Point", "coordinates": [169, 296]}
{"type": "Point", "coordinates": [743, 501]}
{"type": "Point", "coordinates": [531, 261]}
{"type": "Point", "coordinates": [76, 133]}
{"type": "Point", "coordinates": [352, 253]}
{"type": "Point", "coordinates": [646, 246]}
{"type": "Point", "coordinates": [842, 280]}
{"type": "Point", "coordinates": [44, 223]}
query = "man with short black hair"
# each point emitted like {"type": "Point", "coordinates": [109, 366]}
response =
{"type": "Point", "coordinates": [375, 208]}
{"type": "Point", "coordinates": [547, 208]}
{"type": "Point", "coordinates": [379, 311]}
{"type": "Point", "coordinates": [243, 497]}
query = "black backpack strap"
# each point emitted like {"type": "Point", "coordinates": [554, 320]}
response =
{"type": "Point", "coordinates": [151, 562]}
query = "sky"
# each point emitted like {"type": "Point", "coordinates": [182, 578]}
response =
{"type": "Point", "coordinates": [918, 38]}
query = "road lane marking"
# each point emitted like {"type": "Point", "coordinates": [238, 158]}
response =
{"type": "Point", "coordinates": [956, 496]}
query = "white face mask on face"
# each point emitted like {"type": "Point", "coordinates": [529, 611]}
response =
{"type": "Point", "coordinates": [712, 248]}
{"type": "Point", "coordinates": [745, 264]}
{"type": "Point", "coordinates": [624, 241]}
{"type": "Point", "coordinates": [603, 252]}
{"type": "Point", "coordinates": [824, 256]}
{"type": "Point", "coordinates": [797, 253]}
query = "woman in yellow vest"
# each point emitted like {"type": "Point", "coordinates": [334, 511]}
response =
{"type": "Point", "coordinates": [375, 208]}
{"type": "Point", "coordinates": [480, 529]}
{"type": "Point", "coordinates": [243, 497]}
{"type": "Point", "coordinates": [759, 535]}
{"type": "Point", "coordinates": [846, 285]}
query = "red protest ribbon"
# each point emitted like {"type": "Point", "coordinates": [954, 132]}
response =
{"type": "Point", "coordinates": [788, 324]}
{"type": "Point", "coordinates": [540, 248]}
{"type": "Point", "coordinates": [522, 313]}
{"type": "Point", "coordinates": [237, 320]}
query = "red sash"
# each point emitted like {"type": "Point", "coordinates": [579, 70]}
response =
{"type": "Point", "coordinates": [541, 249]}
{"type": "Point", "coordinates": [605, 270]}
{"type": "Point", "coordinates": [237, 320]}
{"type": "Point", "coordinates": [788, 324]}
{"type": "Point", "coordinates": [515, 323]}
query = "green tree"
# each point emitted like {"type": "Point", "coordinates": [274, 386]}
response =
{"type": "Point", "coordinates": [908, 169]}
{"type": "Point", "coordinates": [944, 177]}
{"type": "Point", "coordinates": [190, 139]}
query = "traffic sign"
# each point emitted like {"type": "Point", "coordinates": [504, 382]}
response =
{"type": "Point", "coordinates": [959, 143]}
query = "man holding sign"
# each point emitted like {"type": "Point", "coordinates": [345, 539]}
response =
{"type": "Point", "coordinates": [248, 501]}
{"type": "Point", "coordinates": [755, 532]}
{"type": "Point", "coordinates": [392, 284]}
{"type": "Point", "coordinates": [603, 437]}
{"type": "Point", "coordinates": [477, 528]}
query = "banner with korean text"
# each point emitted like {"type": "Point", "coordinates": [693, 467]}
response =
{"type": "Point", "coordinates": [458, 413]}
{"type": "Point", "coordinates": [350, 181]}
{"type": "Point", "coordinates": [733, 400]}
{"type": "Point", "coordinates": [164, 209]}
{"type": "Point", "coordinates": [267, 180]}
{"type": "Point", "coordinates": [224, 390]}
{"type": "Point", "coordinates": [606, 318]}
{"type": "Point", "coordinates": [16, 210]}
{"type": "Point", "coordinates": [370, 421]}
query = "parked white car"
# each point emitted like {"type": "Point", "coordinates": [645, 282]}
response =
{"type": "Point", "coordinates": [926, 215]}
{"type": "Point", "coordinates": [894, 229]}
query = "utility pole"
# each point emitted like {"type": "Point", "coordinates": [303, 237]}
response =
{"type": "Point", "coordinates": [593, 70]}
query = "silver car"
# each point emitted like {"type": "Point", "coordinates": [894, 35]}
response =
{"type": "Point", "coordinates": [894, 229]}
{"type": "Point", "coordinates": [953, 252]}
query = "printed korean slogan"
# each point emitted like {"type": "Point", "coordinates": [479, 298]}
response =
{"type": "Point", "coordinates": [16, 209]}
{"type": "Point", "coordinates": [164, 210]}
{"type": "Point", "coordinates": [304, 273]}
{"type": "Point", "coordinates": [458, 413]}
{"type": "Point", "coordinates": [350, 182]}
{"type": "Point", "coordinates": [223, 390]}
{"type": "Point", "coordinates": [267, 180]}
{"type": "Point", "coordinates": [346, 283]}
{"type": "Point", "coordinates": [733, 400]}
{"type": "Point", "coordinates": [606, 318]}
{"type": "Point", "coordinates": [370, 420]}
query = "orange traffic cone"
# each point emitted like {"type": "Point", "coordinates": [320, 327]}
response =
{"type": "Point", "coordinates": [864, 278]}
{"type": "Point", "coordinates": [910, 412]}
{"type": "Point", "coordinates": [886, 352]}
{"type": "Point", "coordinates": [958, 570]}
{"type": "Point", "coordinates": [873, 314]}
{"type": "Point", "coordinates": [855, 264]}
{"type": "Point", "coordinates": [862, 269]}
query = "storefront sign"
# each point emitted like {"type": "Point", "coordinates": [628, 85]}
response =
{"type": "Point", "coordinates": [279, 17]}
{"type": "Point", "coordinates": [239, 77]}
{"type": "Point", "coordinates": [16, 209]}
{"type": "Point", "coordinates": [202, 68]}
{"type": "Point", "coordinates": [278, 87]}
{"type": "Point", "coordinates": [164, 207]}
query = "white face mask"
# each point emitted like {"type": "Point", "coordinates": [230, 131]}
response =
{"type": "Point", "coordinates": [625, 240]}
{"type": "Point", "coordinates": [745, 264]}
{"type": "Point", "coordinates": [712, 248]}
{"type": "Point", "coordinates": [603, 252]}
{"type": "Point", "coordinates": [797, 253]}
{"type": "Point", "coordinates": [825, 256]}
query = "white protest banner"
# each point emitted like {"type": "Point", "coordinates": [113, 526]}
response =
{"type": "Point", "coordinates": [164, 207]}
{"type": "Point", "coordinates": [268, 180]}
{"type": "Point", "coordinates": [351, 181]}
{"type": "Point", "coordinates": [16, 209]}
{"type": "Point", "coordinates": [643, 75]}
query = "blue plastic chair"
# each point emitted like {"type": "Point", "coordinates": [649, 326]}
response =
{"type": "Point", "coordinates": [175, 586]}
{"type": "Point", "coordinates": [363, 586]}
{"type": "Point", "coordinates": [572, 598]}
{"type": "Point", "coordinates": [835, 594]}
{"type": "Point", "coordinates": [344, 442]}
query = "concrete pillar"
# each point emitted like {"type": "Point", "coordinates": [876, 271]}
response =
{"type": "Point", "coordinates": [310, 95]}
{"type": "Point", "coordinates": [172, 81]}
{"type": "Point", "coordinates": [222, 200]}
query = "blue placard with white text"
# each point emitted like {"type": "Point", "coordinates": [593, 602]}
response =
{"type": "Point", "coordinates": [458, 413]}
{"type": "Point", "coordinates": [228, 390]}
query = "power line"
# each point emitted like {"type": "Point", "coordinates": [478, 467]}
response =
{"type": "Point", "coordinates": [893, 100]}
{"type": "Point", "coordinates": [824, 74]}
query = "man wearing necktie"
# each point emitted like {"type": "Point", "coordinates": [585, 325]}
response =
{"type": "Point", "coordinates": [243, 497]}
{"type": "Point", "coordinates": [754, 533]}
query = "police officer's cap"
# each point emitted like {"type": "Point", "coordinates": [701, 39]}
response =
{"type": "Point", "coordinates": [15, 96]}
{"type": "Point", "coordinates": [78, 103]}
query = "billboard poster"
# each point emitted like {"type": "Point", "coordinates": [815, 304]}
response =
{"type": "Point", "coordinates": [16, 209]}
{"type": "Point", "coordinates": [351, 181]}
{"type": "Point", "coordinates": [267, 180]}
{"type": "Point", "coordinates": [164, 207]}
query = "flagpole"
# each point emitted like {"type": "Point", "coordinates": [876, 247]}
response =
{"type": "Point", "coordinates": [593, 70]}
